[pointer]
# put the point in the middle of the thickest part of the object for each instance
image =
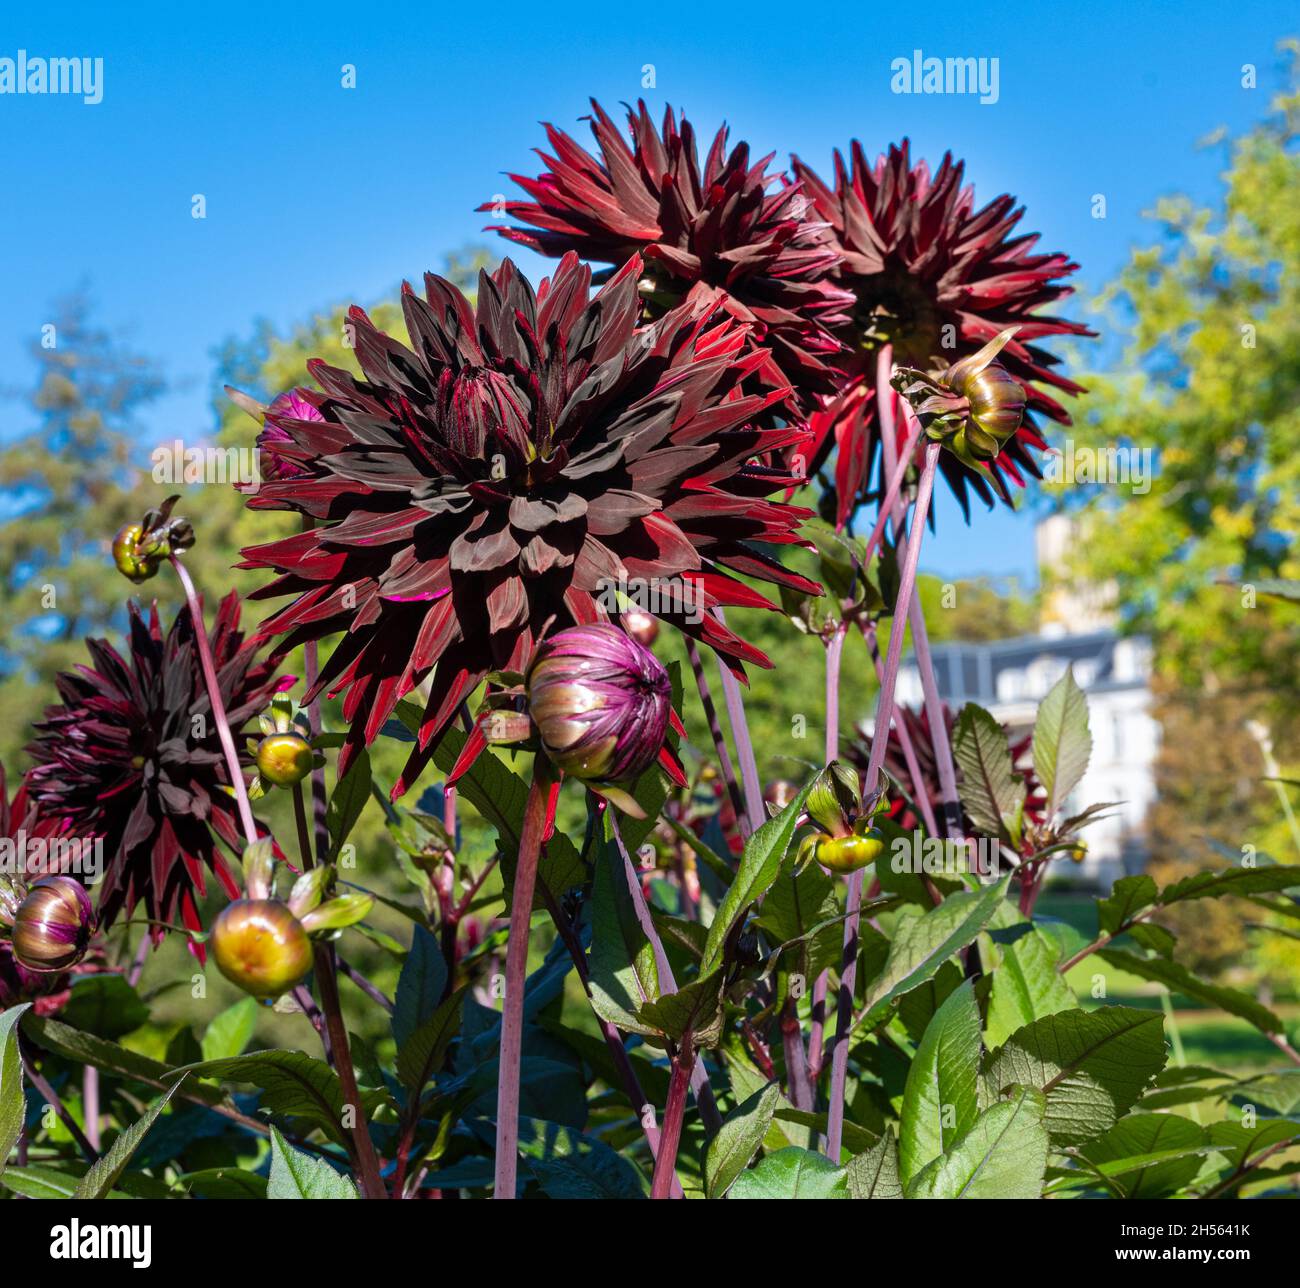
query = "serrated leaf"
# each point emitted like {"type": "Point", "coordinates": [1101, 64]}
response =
{"type": "Point", "coordinates": [231, 1031]}
{"type": "Point", "coordinates": [1091, 1066]}
{"type": "Point", "coordinates": [1062, 741]}
{"type": "Point", "coordinates": [765, 853]}
{"type": "Point", "coordinates": [940, 1098]}
{"type": "Point", "coordinates": [1240, 1143]}
{"type": "Point", "coordinates": [1149, 1156]}
{"type": "Point", "coordinates": [695, 1008]}
{"type": "Point", "coordinates": [874, 1175]}
{"type": "Point", "coordinates": [921, 944]}
{"type": "Point", "coordinates": [298, 1175]}
{"type": "Point", "coordinates": [1002, 1156]}
{"type": "Point", "coordinates": [420, 985]}
{"type": "Point", "coordinates": [1128, 896]}
{"type": "Point", "coordinates": [1026, 986]}
{"type": "Point", "coordinates": [570, 1165]}
{"type": "Point", "coordinates": [738, 1139]}
{"type": "Point", "coordinates": [1277, 1092]}
{"type": "Point", "coordinates": [1234, 881]}
{"type": "Point", "coordinates": [1180, 979]}
{"type": "Point", "coordinates": [423, 1052]}
{"type": "Point", "coordinates": [292, 1083]}
{"type": "Point", "coordinates": [990, 790]}
{"type": "Point", "coordinates": [792, 1173]}
{"type": "Point", "coordinates": [102, 1175]}
{"type": "Point", "coordinates": [12, 1103]}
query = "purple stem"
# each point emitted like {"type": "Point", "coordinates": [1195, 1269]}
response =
{"type": "Point", "coordinates": [512, 1019]}
{"type": "Point", "coordinates": [879, 741]}
{"type": "Point", "coordinates": [668, 983]}
{"type": "Point", "coordinates": [719, 739]}
{"type": "Point", "coordinates": [218, 707]}
{"type": "Point", "coordinates": [754, 811]}
{"type": "Point", "coordinates": [661, 1185]}
{"type": "Point", "coordinates": [90, 1104]}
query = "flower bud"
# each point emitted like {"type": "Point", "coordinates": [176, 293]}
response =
{"type": "Point", "coordinates": [284, 759]}
{"type": "Point", "coordinates": [127, 558]}
{"type": "Point", "coordinates": [261, 946]}
{"type": "Point", "coordinates": [600, 702]}
{"type": "Point", "coordinates": [53, 925]}
{"type": "Point", "coordinates": [849, 853]}
{"type": "Point", "coordinates": [835, 799]}
{"type": "Point", "coordinates": [642, 627]}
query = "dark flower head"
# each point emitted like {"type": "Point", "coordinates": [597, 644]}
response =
{"type": "Point", "coordinates": [937, 279]}
{"type": "Point", "coordinates": [131, 755]}
{"type": "Point", "coordinates": [600, 701]}
{"type": "Point", "coordinates": [275, 443]}
{"type": "Point", "coordinates": [719, 230]}
{"type": "Point", "coordinates": [518, 468]}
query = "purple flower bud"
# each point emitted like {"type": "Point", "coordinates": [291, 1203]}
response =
{"type": "Point", "coordinates": [600, 702]}
{"type": "Point", "coordinates": [290, 406]}
{"type": "Point", "coordinates": [53, 925]}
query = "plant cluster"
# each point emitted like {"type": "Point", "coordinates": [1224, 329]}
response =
{"type": "Point", "coordinates": [833, 986]}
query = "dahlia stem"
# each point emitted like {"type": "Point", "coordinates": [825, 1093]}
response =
{"type": "Point", "coordinates": [613, 1038]}
{"type": "Point", "coordinates": [512, 1018]}
{"type": "Point", "coordinates": [90, 1104]}
{"type": "Point", "coordinates": [831, 746]}
{"type": "Point", "coordinates": [218, 707]}
{"type": "Point", "coordinates": [888, 503]}
{"type": "Point", "coordinates": [699, 1075]}
{"type": "Point", "coordinates": [754, 811]}
{"type": "Point", "coordinates": [719, 738]}
{"type": "Point", "coordinates": [879, 741]}
{"type": "Point", "coordinates": [371, 990]}
{"type": "Point", "coordinates": [665, 1172]}
{"type": "Point", "coordinates": [363, 1148]}
{"type": "Point", "coordinates": [51, 1098]}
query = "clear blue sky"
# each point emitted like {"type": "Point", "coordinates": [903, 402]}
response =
{"type": "Point", "coordinates": [317, 194]}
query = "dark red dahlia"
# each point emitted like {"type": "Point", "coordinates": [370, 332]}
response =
{"type": "Point", "coordinates": [275, 444]}
{"type": "Point", "coordinates": [132, 756]}
{"type": "Point", "coordinates": [509, 473]}
{"type": "Point", "coordinates": [935, 278]}
{"type": "Point", "coordinates": [727, 230]}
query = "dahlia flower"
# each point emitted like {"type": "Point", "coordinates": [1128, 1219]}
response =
{"type": "Point", "coordinates": [935, 278]}
{"type": "Point", "coordinates": [721, 230]}
{"type": "Point", "coordinates": [131, 756]}
{"type": "Point", "coordinates": [523, 463]}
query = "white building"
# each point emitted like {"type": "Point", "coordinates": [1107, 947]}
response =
{"type": "Point", "coordinates": [1009, 678]}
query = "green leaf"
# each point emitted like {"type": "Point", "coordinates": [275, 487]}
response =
{"type": "Point", "coordinates": [764, 855]}
{"type": "Point", "coordinates": [738, 1139]}
{"type": "Point", "coordinates": [292, 1083]}
{"type": "Point", "coordinates": [792, 1174]}
{"type": "Point", "coordinates": [1128, 896]}
{"type": "Point", "coordinates": [874, 1175]}
{"type": "Point", "coordinates": [1002, 1156]}
{"type": "Point", "coordinates": [695, 1008]}
{"type": "Point", "coordinates": [1091, 1066]}
{"type": "Point", "coordinates": [1026, 986]}
{"type": "Point", "coordinates": [1148, 1156]}
{"type": "Point", "coordinates": [570, 1165]}
{"type": "Point", "coordinates": [624, 974]}
{"type": "Point", "coordinates": [940, 1098]}
{"type": "Point", "coordinates": [231, 1031]}
{"type": "Point", "coordinates": [105, 1005]}
{"type": "Point", "coordinates": [1179, 979]}
{"type": "Point", "coordinates": [1278, 1092]}
{"type": "Point", "coordinates": [1062, 741]}
{"type": "Point", "coordinates": [296, 1175]}
{"type": "Point", "coordinates": [990, 790]}
{"type": "Point", "coordinates": [923, 943]}
{"type": "Point", "coordinates": [102, 1175]}
{"type": "Point", "coordinates": [37, 1181]}
{"type": "Point", "coordinates": [13, 1106]}
{"type": "Point", "coordinates": [420, 985]}
{"type": "Point", "coordinates": [1235, 881]}
{"type": "Point", "coordinates": [224, 1183]}
{"type": "Point", "coordinates": [422, 1054]}
{"type": "Point", "coordinates": [1239, 1143]}
{"type": "Point", "coordinates": [348, 800]}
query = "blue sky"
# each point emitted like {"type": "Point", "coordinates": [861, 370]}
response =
{"type": "Point", "coordinates": [316, 194]}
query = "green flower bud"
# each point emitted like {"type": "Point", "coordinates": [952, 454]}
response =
{"type": "Point", "coordinates": [835, 799]}
{"type": "Point", "coordinates": [261, 946]}
{"type": "Point", "coordinates": [284, 759]}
